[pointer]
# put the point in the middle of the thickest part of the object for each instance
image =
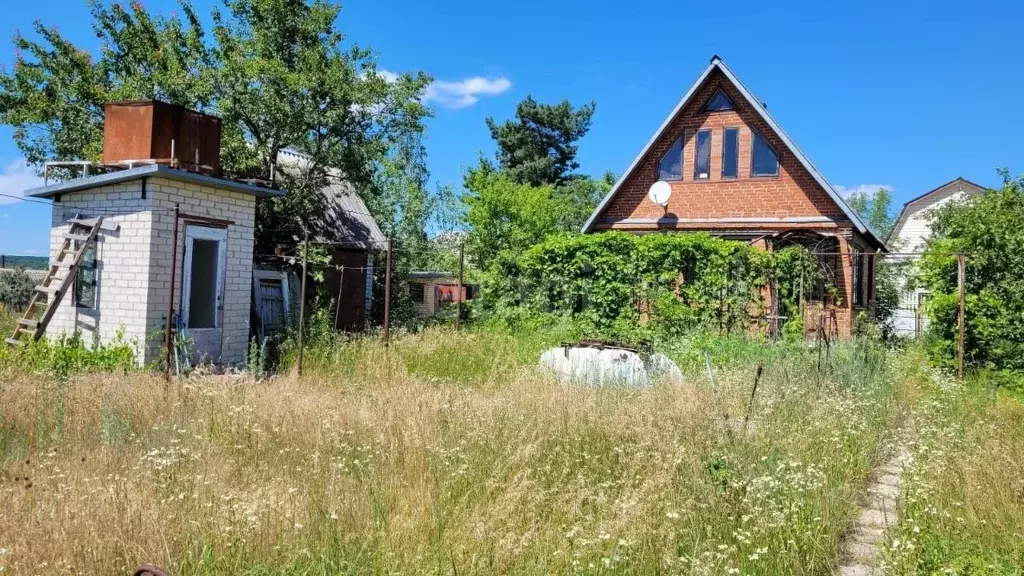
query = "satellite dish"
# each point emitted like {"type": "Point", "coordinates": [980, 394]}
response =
{"type": "Point", "coordinates": [660, 192]}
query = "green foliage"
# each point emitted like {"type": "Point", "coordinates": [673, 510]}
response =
{"type": "Point", "coordinates": [24, 262]}
{"type": "Point", "coordinates": [68, 355]}
{"type": "Point", "coordinates": [875, 210]}
{"type": "Point", "coordinates": [279, 73]}
{"type": "Point", "coordinates": [15, 289]}
{"type": "Point", "coordinates": [609, 283]}
{"type": "Point", "coordinates": [987, 228]}
{"type": "Point", "coordinates": [539, 147]}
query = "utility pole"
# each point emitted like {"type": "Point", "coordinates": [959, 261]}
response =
{"type": "Point", "coordinates": [302, 300]}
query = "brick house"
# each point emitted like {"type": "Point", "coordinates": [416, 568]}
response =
{"type": "Point", "coordinates": [123, 281]}
{"type": "Point", "coordinates": [733, 172]}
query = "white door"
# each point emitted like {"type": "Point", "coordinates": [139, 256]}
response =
{"type": "Point", "coordinates": [202, 290]}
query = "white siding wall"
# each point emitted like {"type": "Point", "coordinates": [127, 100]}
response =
{"type": "Point", "coordinates": [133, 264]}
{"type": "Point", "coordinates": [911, 237]}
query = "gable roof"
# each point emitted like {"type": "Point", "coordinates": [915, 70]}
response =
{"type": "Point", "coordinates": [959, 184]}
{"type": "Point", "coordinates": [718, 64]}
{"type": "Point", "coordinates": [345, 219]}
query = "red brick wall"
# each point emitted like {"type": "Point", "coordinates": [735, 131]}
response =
{"type": "Point", "coordinates": [793, 193]}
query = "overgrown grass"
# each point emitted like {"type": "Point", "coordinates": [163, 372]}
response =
{"type": "Point", "coordinates": [444, 453]}
{"type": "Point", "coordinates": [963, 511]}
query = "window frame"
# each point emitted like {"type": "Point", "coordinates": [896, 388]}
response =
{"type": "Point", "coordinates": [90, 251]}
{"type": "Point", "coordinates": [421, 288]}
{"type": "Point", "coordinates": [754, 135]}
{"type": "Point", "coordinates": [725, 132]}
{"type": "Point", "coordinates": [707, 105]}
{"type": "Point", "coordinates": [657, 167]}
{"type": "Point", "coordinates": [858, 278]}
{"type": "Point", "coordinates": [696, 151]}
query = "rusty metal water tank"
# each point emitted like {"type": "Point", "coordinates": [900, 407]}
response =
{"type": "Point", "coordinates": [151, 130]}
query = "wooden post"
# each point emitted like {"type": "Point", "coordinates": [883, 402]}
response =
{"type": "Point", "coordinates": [961, 289]}
{"type": "Point", "coordinates": [387, 294]}
{"type": "Point", "coordinates": [170, 296]}
{"type": "Point", "coordinates": [458, 312]}
{"type": "Point", "coordinates": [302, 301]}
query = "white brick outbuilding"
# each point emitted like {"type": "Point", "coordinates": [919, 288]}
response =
{"type": "Point", "coordinates": [128, 293]}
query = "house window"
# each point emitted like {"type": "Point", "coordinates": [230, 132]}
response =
{"type": "Point", "coordinates": [671, 165]}
{"type": "Point", "coordinates": [417, 292]}
{"type": "Point", "coordinates": [731, 153]}
{"type": "Point", "coordinates": [764, 161]}
{"type": "Point", "coordinates": [702, 156]}
{"type": "Point", "coordinates": [718, 103]}
{"type": "Point", "coordinates": [858, 279]}
{"type": "Point", "coordinates": [85, 279]}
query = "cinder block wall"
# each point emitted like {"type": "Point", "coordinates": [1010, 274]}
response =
{"type": "Point", "coordinates": [134, 263]}
{"type": "Point", "coordinates": [196, 200]}
{"type": "Point", "coordinates": [122, 265]}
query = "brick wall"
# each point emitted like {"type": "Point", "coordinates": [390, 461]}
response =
{"type": "Point", "coordinates": [133, 264]}
{"type": "Point", "coordinates": [793, 193]}
{"type": "Point", "coordinates": [122, 264]}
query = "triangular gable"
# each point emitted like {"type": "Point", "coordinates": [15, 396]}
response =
{"type": "Point", "coordinates": [756, 105]}
{"type": "Point", "coordinates": [958, 184]}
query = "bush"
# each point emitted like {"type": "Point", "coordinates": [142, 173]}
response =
{"type": "Point", "coordinates": [68, 355]}
{"type": "Point", "coordinates": [671, 283]}
{"type": "Point", "coordinates": [15, 289]}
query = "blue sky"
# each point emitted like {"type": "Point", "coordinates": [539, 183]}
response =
{"type": "Point", "coordinates": [902, 94]}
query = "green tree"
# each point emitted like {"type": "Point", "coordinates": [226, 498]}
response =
{"type": "Point", "coordinates": [539, 147]}
{"type": "Point", "coordinates": [279, 73]}
{"type": "Point", "coordinates": [876, 211]}
{"type": "Point", "coordinates": [987, 228]}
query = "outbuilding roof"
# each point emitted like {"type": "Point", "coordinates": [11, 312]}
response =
{"type": "Point", "coordinates": [151, 170]}
{"type": "Point", "coordinates": [762, 111]}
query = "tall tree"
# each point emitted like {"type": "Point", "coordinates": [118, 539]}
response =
{"type": "Point", "coordinates": [539, 147]}
{"type": "Point", "coordinates": [875, 209]}
{"type": "Point", "coordinates": [890, 274]}
{"type": "Point", "coordinates": [278, 72]}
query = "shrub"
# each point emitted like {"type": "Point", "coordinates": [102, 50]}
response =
{"type": "Point", "coordinates": [67, 355]}
{"type": "Point", "coordinates": [15, 289]}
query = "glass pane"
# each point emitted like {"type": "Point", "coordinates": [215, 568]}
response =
{"type": "Point", "coordinates": [718, 102]}
{"type": "Point", "coordinates": [702, 162]}
{"type": "Point", "coordinates": [765, 162]}
{"type": "Point", "coordinates": [731, 153]}
{"type": "Point", "coordinates": [671, 165]}
{"type": "Point", "coordinates": [85, 281]}
{"type": "Point", "coordinates": [202, 298]}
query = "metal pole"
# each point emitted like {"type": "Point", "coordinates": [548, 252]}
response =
{"type": "Point", "coordinates": [462, 262]}
{"type": "Point", "coordinates": [302, 301]}
{"type": "Point", "coordinates": [170, 295]}
{"type": "Point", "coordinates": [387, 294]}
{"type": "Point", "coordinates": [337, 303]}
{"type": "Point", "coordinates": [961, 273]}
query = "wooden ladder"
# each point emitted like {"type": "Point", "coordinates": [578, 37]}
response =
{"type": "Point", "coordinates": [48, 295]}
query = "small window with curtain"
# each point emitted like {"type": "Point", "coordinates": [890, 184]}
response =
{"type": "Point", "coordinates": [671, 165]}
{"type": "Point", "coordinates": [731, 153]}
{"type": "Point", "coordinates": [85, 279]}
{"type": "Point", "coordinates": [764, 161]}
{"type": "Point", "coordinates": [702, 156]}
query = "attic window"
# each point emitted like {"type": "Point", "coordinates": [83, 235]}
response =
{"type": "Point", "coordinates": [670, 167]}
{"type": "Point", "coordinates": [764, 161]}
{"type": "Point", "coordinates": [718, 103]}
{"type": "Point", "coordinates": [702, 158]}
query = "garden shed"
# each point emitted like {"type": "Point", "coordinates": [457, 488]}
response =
{"type": "Point", "coordinates": [124, 238]}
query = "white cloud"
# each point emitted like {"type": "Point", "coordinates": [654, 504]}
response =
{"type": "Point", "coordinates": [868, 190]}
{"type": "Point", "coordinates": [15, 178]}
{"type": "Point", "coordinates": [456, 94]}
{"type": "Point", "coordinates": [464, 93]}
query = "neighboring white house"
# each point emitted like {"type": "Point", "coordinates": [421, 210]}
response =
{"type": "Point", "coordinates": [908, 239]}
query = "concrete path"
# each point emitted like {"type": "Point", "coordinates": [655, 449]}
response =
{"type": "Point", "coordinates": [861, 548]}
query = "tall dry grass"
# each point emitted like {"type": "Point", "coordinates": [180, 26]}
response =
{"type": "Point", "coordinates": [425, 459]}
{"type": "Point", "coordinates": [963, 507]}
